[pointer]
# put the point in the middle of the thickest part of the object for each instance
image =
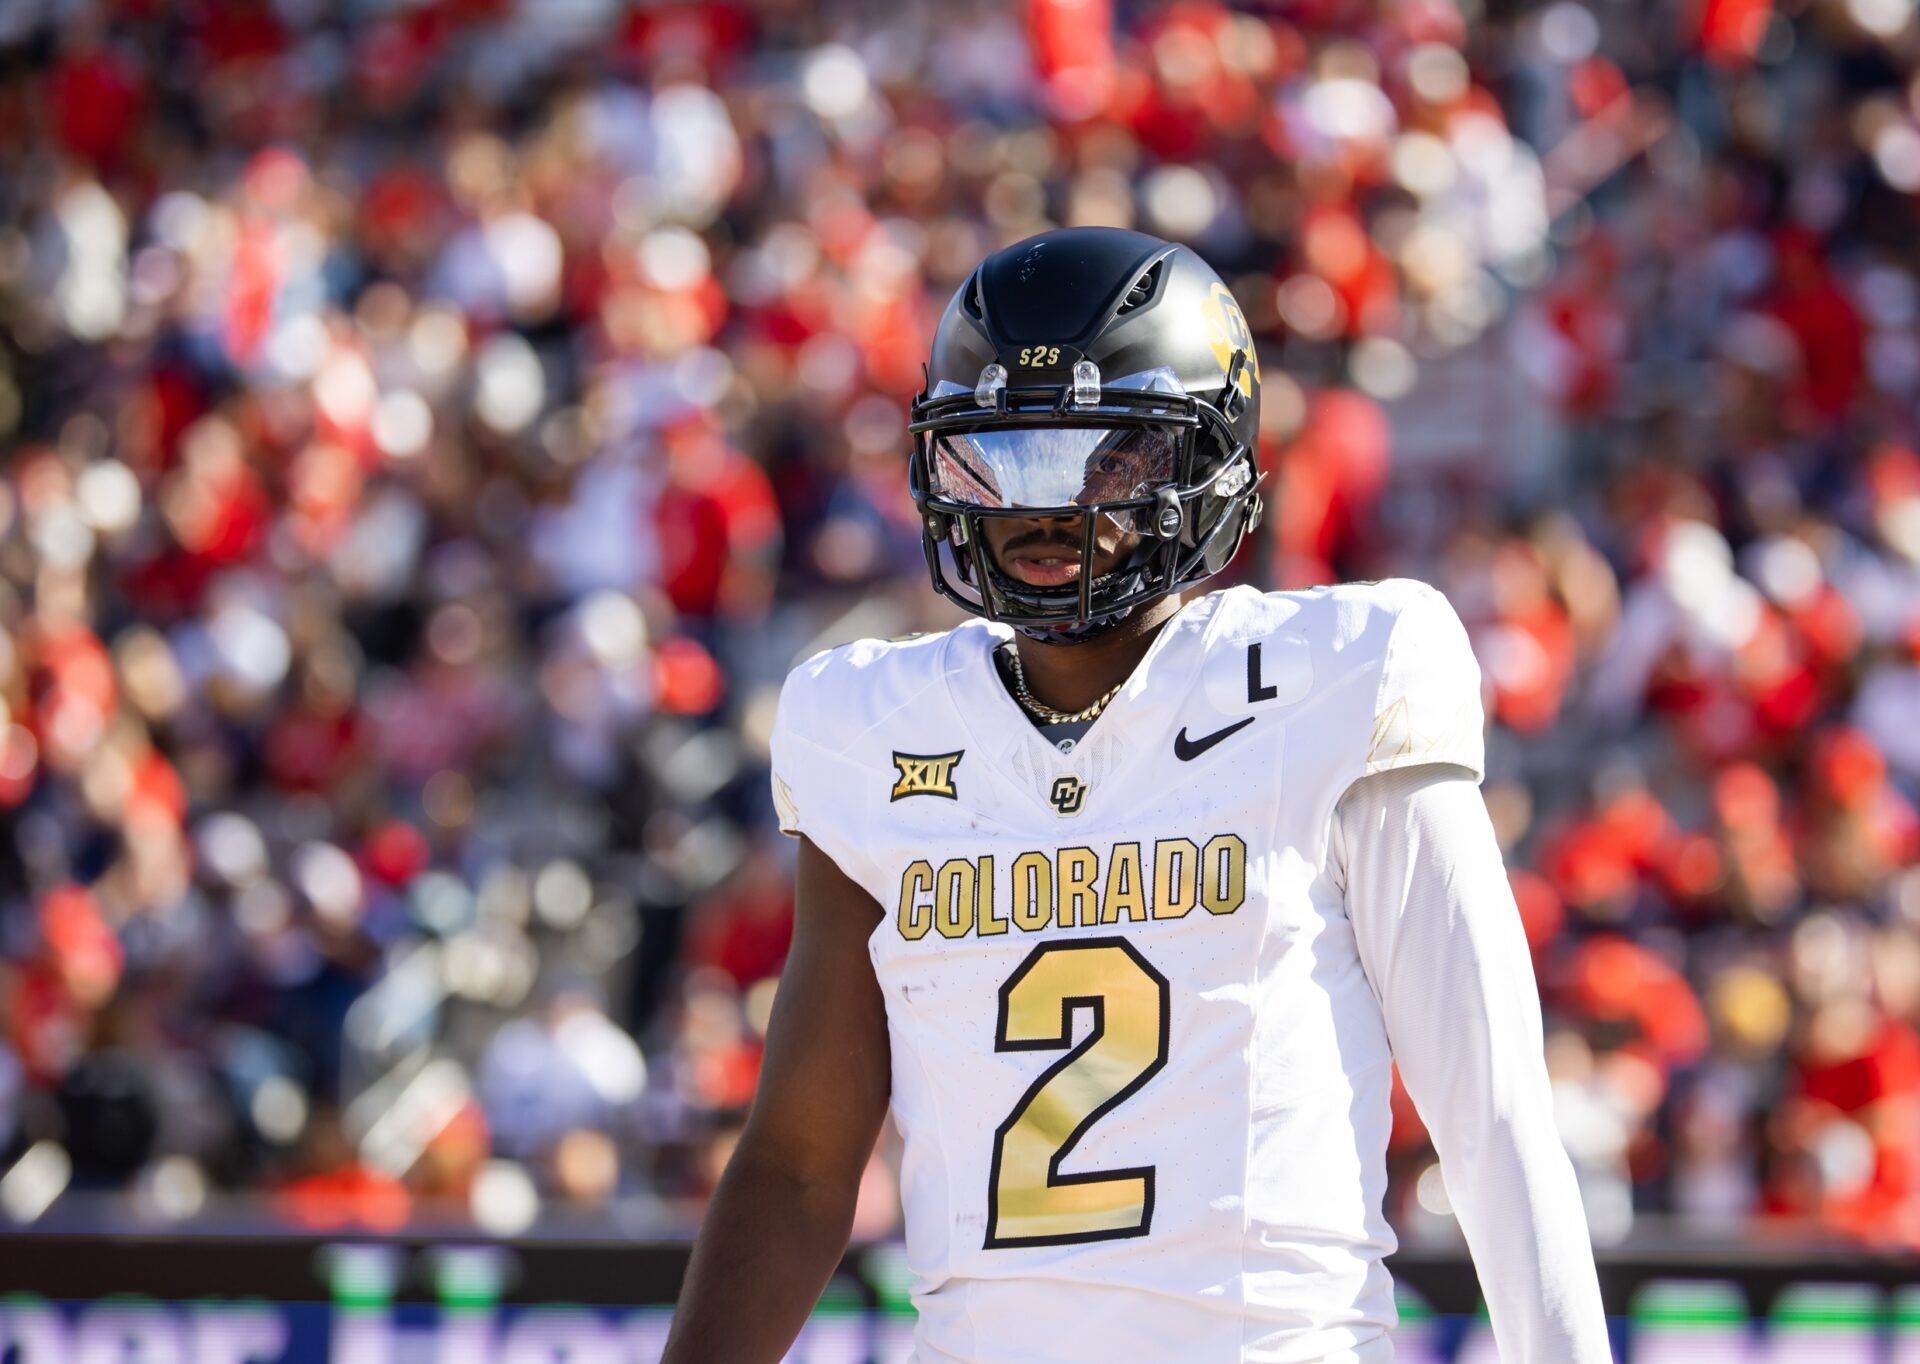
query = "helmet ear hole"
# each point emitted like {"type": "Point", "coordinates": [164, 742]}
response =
{"type": "Point", "coordinates": [939, 526]}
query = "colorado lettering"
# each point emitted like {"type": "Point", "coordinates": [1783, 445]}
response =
{"type": "Point", "coordinates": [1072, 888]}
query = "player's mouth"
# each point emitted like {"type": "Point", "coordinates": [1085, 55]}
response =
{"type": "Point", "coordinates": [1049, 566]}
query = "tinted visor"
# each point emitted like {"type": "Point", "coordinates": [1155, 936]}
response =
{"type": "Point", "coordinates": [1057, 467]}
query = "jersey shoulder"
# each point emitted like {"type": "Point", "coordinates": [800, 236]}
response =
{"type": "Point", "coordinates": [840, 694]}
{"type": "Point", "coordinates": [1393, 656]}
{"type": "Point", "coordinates": [831, 738]}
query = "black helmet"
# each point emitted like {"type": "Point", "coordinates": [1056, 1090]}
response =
{"type": "Point", "coordinates": [1087, 372]}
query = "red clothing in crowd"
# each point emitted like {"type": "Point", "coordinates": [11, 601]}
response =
{"type": "Point", "coordinates": [747, 936]}
{"type": "Point", "coordinates": [1877, 1086]}
{"type": "Point", "coordinates": [94, 98]}
{"type": "Point", "coordinates": [717, 513]}
{"type": "Point", "coordinates": [1813, 306]}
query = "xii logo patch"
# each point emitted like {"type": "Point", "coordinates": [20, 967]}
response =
{"type": "Point", "coordinates": [1067, 796]}
{"type": "Point", "coordinates": [925, 774]}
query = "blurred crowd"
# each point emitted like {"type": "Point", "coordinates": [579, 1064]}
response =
{"type": "Point", "coordinates": [433, 426]}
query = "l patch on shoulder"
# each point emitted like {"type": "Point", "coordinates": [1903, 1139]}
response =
{"type": "Point", "coordinates": [1257, 670]}
{"type": "Point", "coordinates": [925, 774]}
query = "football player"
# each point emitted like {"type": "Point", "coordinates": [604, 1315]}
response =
{"type": "Point", "coordinates": [1126, 897]}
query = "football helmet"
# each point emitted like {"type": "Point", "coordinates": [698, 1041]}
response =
{"type": "Point", "coordinates": [1093, 374]}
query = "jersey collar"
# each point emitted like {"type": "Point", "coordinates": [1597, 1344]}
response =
{"type": "Point", "coordinates": [1139, 718]}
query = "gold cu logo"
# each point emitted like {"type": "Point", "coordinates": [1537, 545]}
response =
{"type": "Point", "coordinates": [1227, 332]}
{"type": "Point", "coordinates": [1068, 795]}
{"type": "Point", "coordinates": [925, 774]}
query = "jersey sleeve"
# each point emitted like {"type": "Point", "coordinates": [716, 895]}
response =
{"type": "Point", "coordinates": [1440, 940]}
{"type": "Point", "coordinates": [812, 795]}
{"type": "Point", "coordinates": [1427, 708]}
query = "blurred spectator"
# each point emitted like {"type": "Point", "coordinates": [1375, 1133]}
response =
{"type": "Point", "coordinates": [433, 429]}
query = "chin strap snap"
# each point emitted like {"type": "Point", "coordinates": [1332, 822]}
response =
{"type": "Point", "coordinates": [1169, 517]}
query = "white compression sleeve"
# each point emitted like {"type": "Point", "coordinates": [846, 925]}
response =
{"type": "Point", "coordinates": [1442, 945]}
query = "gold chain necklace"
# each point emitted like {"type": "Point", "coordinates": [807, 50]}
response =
{"type": "Point", "coordinates": [1044, 713]}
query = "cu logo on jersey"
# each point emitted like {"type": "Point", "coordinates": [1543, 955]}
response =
{"type": "Point", "coordinates": [925, 774]}
{"type": "Point", "coordinates": [1068, 795]}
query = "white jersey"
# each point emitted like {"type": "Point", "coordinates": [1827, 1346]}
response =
{"type": "Point", "coordinates": [1140, 1073]}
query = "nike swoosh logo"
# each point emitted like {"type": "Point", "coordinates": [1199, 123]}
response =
{"type": "Point", "coordinates": [1186, 750]}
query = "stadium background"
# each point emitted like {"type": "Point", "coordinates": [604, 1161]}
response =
{"type": "Point", "coordinates": [433, 426]}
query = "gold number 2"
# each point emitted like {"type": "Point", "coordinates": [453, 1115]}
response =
{"type": "Point", "coordinates": [1034, 356]}
{"type": "Point", "coordinates": [1029, 1202]}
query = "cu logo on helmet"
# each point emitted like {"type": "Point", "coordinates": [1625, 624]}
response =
{"type": "Point", "coordinates": [1228, 332]}
{"type": "Point", "coordinates": [1068, 795]}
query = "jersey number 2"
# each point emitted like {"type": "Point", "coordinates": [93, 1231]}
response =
{"type": "Point", "coordinates": [1029, 1202]}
